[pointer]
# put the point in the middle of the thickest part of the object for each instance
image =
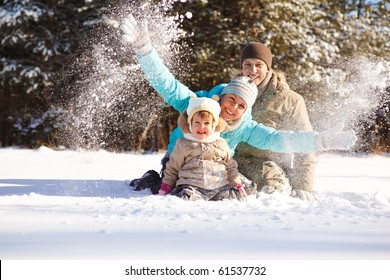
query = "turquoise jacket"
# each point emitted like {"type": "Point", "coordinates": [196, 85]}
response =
{"type": "Point", "coordinates": [177, 95]}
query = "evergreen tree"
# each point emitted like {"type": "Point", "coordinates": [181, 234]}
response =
{"type": "Point", "coordinates": [108, 102]}
{"type": "Point", "coordinates": [316, 43]}
{"type": "Point", "coordinates": [66, 75]}
{"type": "Point", "coordinates": [35, 36]}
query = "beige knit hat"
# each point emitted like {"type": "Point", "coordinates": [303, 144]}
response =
{"type": "Point", "coordinates": [257, 50]}
{"type": "Point", "coordinates": [196, 104]}
{"type": "Point", "coordinates": [243, 87]}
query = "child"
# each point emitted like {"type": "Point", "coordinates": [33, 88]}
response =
{"type": "Point", "coordinates": [200, 165]}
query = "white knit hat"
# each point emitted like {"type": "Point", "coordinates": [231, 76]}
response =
{"type": "Point", "coordinates": [243, 87]}
{"type": "Point", "coordinates": [197, 104]}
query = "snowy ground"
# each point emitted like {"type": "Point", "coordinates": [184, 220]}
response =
{"type": "Point", "coordinates": [76, 205]}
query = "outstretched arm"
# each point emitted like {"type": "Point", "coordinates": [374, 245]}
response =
{"type": "Point", "coordinates": [158, 75]}
{"type": "Point", "coordinates": [267, 138]}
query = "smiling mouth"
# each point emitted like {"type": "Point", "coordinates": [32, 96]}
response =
{"type": "Point", "coordinates": [230, 113]}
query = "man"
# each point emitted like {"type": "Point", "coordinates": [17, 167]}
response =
{"type": "Point", "coordinates": [279, 107]}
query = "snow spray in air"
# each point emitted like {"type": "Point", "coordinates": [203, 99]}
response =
{"type": "Point", "coordinates": [112, 105]}
{"type": "Point", "coordinates": [353, 93]}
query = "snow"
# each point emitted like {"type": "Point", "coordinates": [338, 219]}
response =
{"type": "Point", "coordinates": [62, 204]}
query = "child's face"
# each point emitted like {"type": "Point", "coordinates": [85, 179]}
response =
{"type": "Point", "coordinates": [232, 107]}
{"type": "Point", "coordinates": [202, 126]}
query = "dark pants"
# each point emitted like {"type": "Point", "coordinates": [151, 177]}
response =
{"type": "Point", "coordinates": [192, 193]}
{"type": "Point", "coordinates": [164, 162]}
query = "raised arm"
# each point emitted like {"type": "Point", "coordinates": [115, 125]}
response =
{"type": "Point", "coordinates": [158, 75]}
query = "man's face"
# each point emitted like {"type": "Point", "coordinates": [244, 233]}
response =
{"type": "Point", "coordinates": [232, 107]}
{"type": "Point", "coordinates": [254, 68]}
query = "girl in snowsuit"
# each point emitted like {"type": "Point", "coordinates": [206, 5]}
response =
{"type": "Point", "coordinates": [201, 165]}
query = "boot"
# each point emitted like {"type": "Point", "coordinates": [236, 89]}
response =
{"type": "Point", "coordinates": [151, 179]}
{"type": "Point", "coordinates": [275, 179]}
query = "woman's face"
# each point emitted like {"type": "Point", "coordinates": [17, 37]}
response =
{"type": "Point", "coordinates": [232, 107]}
{"type": "Point", "coordinates": [254, 68]}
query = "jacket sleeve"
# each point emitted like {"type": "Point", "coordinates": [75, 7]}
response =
{"type": "Point", "coordinates": [302, 176]}
{"type": "Point", "coordinates": [283, 141]}
{"type": "Point", "coordinates": [175, 135]}
{"type": "Point", "coordinates": [161, 79]}
{"type": "Point", "coordinates": [231, 167]}
{"type": "Point", "coordinates": [175, 163]}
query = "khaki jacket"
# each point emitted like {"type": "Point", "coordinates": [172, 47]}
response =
{"type": "Point", "coordinates": [283, 109]}
{"type": "Point", "coordinates": [203, 165]}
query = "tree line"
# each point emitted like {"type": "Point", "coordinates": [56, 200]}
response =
{"type": "Point", "coordinates": [67, 79]}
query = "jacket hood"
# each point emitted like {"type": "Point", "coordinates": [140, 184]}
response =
{"type": "Point", "coordinates": [279, 81]}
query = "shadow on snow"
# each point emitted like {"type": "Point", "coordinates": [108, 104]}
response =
{"type": "Point", "coordinates": [68, 187]}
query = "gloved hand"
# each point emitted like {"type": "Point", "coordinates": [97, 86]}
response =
{"type": "Point", "coordinates": [335, 139]}
{"type": "Point", "coordinates": [304, 195]}
{"type": "Point", "coordinates": [165, 189]}
{"type": "Point", "coordinates": [161, 192]}
{"type": "Point", "coordinates": [136, 35]}
{"type": "Point", "coordinates": [240, 188]}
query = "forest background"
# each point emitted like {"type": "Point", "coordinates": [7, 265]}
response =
{"type": "Point", "coordinates": [68, 80]}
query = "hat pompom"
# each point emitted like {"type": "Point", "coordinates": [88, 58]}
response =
{"type": "Point", "coordinates": [215, 97]}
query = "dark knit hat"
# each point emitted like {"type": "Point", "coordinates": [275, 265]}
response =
{"type": "Point", "coordinates": [257, 50]}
